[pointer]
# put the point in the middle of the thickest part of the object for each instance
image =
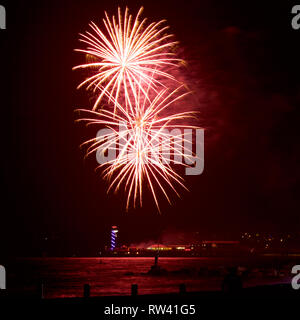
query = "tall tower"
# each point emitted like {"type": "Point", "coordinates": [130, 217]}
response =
{"type": "Point", "coordinates": [113, 237]}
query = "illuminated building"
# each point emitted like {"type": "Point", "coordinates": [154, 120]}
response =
{"type": "Point", "coordinates": [159, 247]}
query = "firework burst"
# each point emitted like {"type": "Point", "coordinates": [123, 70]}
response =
{"type": "Point", "coordinates": [129, 63]}
{"type": "Point", "coordinates": [125, 57]}
{"type": "Point", "coordinates": [145, 145]}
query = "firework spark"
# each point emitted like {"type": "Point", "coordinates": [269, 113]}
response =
{"type": "Point", "coordinates": [144, 144]}
{"type": "Point", "coordinates": [125, 57]}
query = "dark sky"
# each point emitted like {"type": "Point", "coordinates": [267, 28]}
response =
{"type": "Point", "coordinates": [243, 64]}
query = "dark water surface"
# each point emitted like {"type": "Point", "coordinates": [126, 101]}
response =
{"type": "Point", "coordinates": [65, 277]}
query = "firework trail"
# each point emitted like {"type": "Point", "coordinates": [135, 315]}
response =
{"type": "Point", "coordinates": [145, 146]}
{"type": "Point", "coordinates": [124, 58]}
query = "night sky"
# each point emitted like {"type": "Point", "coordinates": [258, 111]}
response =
{"type": "Point", "coordinates": [243, 65]}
